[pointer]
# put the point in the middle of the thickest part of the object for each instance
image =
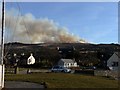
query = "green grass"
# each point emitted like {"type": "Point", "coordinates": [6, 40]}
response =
{"type": "Point", "coordinates": [64, 80]}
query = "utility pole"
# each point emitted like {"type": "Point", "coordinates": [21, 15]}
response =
{"type": "Point", "coordinates": [2, 47]}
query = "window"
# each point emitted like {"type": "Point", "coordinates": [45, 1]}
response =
{"type": "Point", "coordinates": [115, 64]}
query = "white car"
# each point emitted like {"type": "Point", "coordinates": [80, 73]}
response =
{"type": "Point", "coordinates": [60, 69]}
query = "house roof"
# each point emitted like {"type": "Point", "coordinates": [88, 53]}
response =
{"type": "Point", "coordinates": [115, 56]}
{"type": "Point", "coordinates": [68, 60]}
{"type": "Point", "coordinates": [118, 54]}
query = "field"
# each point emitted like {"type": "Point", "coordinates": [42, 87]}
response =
{"type": "Point", "coordinates": [65, 80]}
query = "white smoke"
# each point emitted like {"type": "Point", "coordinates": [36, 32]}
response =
{"type": "Point", "coordinates": [28, 29]}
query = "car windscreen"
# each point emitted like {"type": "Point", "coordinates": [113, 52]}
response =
{"type": "Point", "coordinates": [56, 67]}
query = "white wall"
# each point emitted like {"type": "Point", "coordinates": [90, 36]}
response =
{"type": "Point", "coordinates": [64, 64]}
{"type": "Point", "coordinates": [70, 64]}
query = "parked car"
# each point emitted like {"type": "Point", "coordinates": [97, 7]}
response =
{"type": "Point", "coordinates": [60, 69]}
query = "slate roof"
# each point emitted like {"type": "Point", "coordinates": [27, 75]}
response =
{"type": "Point", "coordinates": [118, 54]}
{"type": "Point", "coordinates": [68, 60]}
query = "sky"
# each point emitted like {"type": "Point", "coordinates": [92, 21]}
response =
{"type": "Point", "coordinates": [95, 22]}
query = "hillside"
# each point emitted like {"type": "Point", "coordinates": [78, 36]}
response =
{"type": "Point", "coordinates": [78, 46]}
{"type": "Point", "coordinates": [48, 54]}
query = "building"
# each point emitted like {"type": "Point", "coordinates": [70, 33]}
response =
{"type": "Point", "coordinates": [113, 61]}
{"type": "Point", "coordinates": [67, 63]}
{"type": "Point", "coordinates": [31, 60]}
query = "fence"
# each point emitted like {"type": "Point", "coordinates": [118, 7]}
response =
{"type": "Point", "coordinates": [10, 70]}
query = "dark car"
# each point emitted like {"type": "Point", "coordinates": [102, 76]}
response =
{"type": "Point", "coordinates": [60, 69]}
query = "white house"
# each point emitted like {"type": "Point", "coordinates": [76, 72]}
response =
{"type": "Point", "coordinates": [114, 61]}
{"type": "Point", "coordinates": [67, 63]}
{"type": "Point", "coordinates": [31, 60]}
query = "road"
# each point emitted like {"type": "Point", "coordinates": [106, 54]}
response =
{"type": "Point", "coordinates": [9, 85]}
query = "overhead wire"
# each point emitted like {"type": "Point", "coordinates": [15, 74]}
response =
{"type": "Point", "coordinates": [15, 26]}
{"type": "Point", "coordinates": [6, 48]}
{"type": "Point", "coordinates": [28, 33]}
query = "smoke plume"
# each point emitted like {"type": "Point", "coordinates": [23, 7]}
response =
{"type": "Point", "coordinates": [28, 29]}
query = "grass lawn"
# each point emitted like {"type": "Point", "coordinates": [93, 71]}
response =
{"type": "Point", "coordinates": [65, 80]}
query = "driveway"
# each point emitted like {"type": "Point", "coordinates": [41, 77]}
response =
{"type": "Point", "coordinates": [22, 85]}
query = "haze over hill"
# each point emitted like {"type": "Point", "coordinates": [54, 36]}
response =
{"type": "Point", "coordinates": [28, 29]}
